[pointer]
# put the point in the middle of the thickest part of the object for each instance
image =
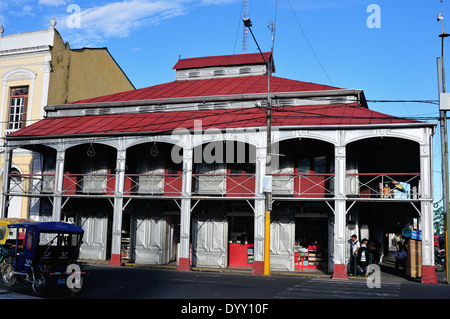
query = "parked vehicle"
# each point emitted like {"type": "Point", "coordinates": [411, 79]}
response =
{"type": "Point", "coordinates": [50, 250]}
{"type": "Point", "coordinates": [5, 242]}
{"type": "Point", "coordinates": [439, 259]}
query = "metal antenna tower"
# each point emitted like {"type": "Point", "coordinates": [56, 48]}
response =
{"type": "Point", "coordinates": [245, 35]}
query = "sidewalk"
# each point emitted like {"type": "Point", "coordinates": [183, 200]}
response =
{"type": "Point", "coordinates": [388, 272]}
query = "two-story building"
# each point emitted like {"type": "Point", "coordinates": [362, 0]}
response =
{"type": "Point", "coordinates": [173, 173]}
{"type": "Point", "coordinates": [37, 69]}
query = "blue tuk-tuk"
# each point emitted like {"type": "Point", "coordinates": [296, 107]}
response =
{"type": "Point", "coordinates": [50, 250]}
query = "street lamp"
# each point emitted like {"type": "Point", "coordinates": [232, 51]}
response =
{"type": "Point", "coordinates": [248, 24]}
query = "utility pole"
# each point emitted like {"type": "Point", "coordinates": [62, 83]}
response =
{"type": "Point", "coordinates": [268, 194]}
{"type": "Point", "coordinates": [444, 140]}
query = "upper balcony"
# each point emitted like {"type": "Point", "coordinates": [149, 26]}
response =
{"type": "Point", "coordinates": [304, 170]}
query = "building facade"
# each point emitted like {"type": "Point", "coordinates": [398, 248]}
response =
{"type": "Point", "coordinates": [37, 69]}
{"type": "Point", "coordinates": [176, 173]}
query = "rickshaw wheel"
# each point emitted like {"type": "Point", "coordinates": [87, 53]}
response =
{"type": "Point", "coordinates": [8, 277]}
{"type": "Point", "coordinates": [40, 283]}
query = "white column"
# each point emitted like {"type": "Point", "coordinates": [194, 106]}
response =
{"type": "Point", "coordinates": [46, 66]}
{"type": "Point", "coordinates": [340, 263]}
{"type": "Point", "coordinates": [4, 110]}
{"type": "Point", "coordinates": [5, 182]}
{"type": "Point", "coordinates": [116, 240]}
{"type": "Point", "coordinates": [426, 170]}
{"type": "Point", "coordinates": [260, 210]}
{"type": "Point", "coordinates": [185, 220]}
{"type": "Point", "coordinates": [59, 178]}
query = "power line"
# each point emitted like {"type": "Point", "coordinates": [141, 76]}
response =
{"type": "Point", "coordinates": [435, 102]}
{"type": "Point", "coordinates": [238, 27]}
{"type": "Point", "coordinates": [309, 44]}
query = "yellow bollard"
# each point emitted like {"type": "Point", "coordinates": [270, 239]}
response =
{"type": "Point", "coordinates": [267, 245]}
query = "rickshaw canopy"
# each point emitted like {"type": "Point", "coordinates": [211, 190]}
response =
{"type": "Point", "coordinates": [9, 221]}
{"type": "Point", "coordinates": [49, 227]}
{"type": "Point", "coordinates": [4, 222]}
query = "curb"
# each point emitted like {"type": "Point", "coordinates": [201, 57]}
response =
{"type": "Point", "coordinates": [219, 270]}
{"type": "Point", "coordinates": [226, 270]}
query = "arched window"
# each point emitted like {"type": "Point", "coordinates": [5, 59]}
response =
{"type": "Point", "coordinates": [18, 102]}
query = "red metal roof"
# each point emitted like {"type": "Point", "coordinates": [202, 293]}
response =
{"type": "Point", "coordinates": [222, 60]}
{"type": "Point", "coordinates": [166, 122]}
{"type": "Point", "coordinates": [211, 87]}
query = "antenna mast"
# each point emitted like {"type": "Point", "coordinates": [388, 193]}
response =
{"type": "Point", "coordinates": [245, 35]}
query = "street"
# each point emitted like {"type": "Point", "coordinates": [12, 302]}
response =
{"type": "Point", "coordinates": [223, 294]}
{"type": "Point", "coordinates": [128, 282]}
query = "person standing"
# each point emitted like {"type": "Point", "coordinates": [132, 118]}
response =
{"type": "Point", "coordinates": [375, 255]}
{"type": "Point", "coordinates": [353, 250]}
{"type": "Point", "coordinates": [363, 256]}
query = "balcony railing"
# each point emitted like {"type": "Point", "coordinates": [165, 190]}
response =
{"type": "Point", "coordinates": [30, 183]}
{"type": "Point", "coordinates": [72, 184]}
{"type": "Point", "coordinates": [362, 185]}
{"type": "Point", "coordinates": [226, 185]}
{"type": "Point", "coordinates": [303, 185]}
{"type": "Point", "coordinates": [383, 185]}
{"type": "Point", "coordinates": [90, 184]}
{"type": "Point", "coordinates": [153, 184]}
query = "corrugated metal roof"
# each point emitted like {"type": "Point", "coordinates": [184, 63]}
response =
{"type": "Point", "coordinates": [166, 122]}
{"type": "Point", "coordinates": [211, 87]}
{"type": "Point", "coordinates": [222, 60]}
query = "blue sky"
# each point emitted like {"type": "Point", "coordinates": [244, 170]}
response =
{"type": "Point", "coordinates": [322, 41]}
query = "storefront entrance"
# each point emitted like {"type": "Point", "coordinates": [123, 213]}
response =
{"type": "Point", "coordinates": [96, 237]}
{"type": "Point", "coordinates": [240, 241]}
{"type": "Point", "coordinates": [311, 243]}
{"type": "Point", "coordinates": [209, 238]}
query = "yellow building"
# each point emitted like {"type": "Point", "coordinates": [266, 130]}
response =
{"type": "Point", "coordinates": [37, 69]}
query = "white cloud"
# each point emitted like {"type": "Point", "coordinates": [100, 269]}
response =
{"type": "Point", "coordinates": [120, 18]}
{"type": "Point", "coordinates": [52, 2]}
{"type": "Point", "coordinates": [28, 10]}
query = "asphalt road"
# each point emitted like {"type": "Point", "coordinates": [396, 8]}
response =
{"type": "Point", "coordinates": [106, 282]}
{"type": "Point", "coordinates": [212, 294]}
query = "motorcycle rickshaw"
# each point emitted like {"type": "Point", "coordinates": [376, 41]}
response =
{"type": "Point", "coordinates": [5, 242]}
{"type": "Point", "coordinates": [50, 250]}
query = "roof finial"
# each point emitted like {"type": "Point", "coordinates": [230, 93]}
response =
{"type": "Point", "coordinates": [53, 22]}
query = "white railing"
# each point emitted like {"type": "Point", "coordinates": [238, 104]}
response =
{"type": "Point", "coordinates": [303, 185]}
{"type": "Point", "coordinates": [362, 185]}
{"type": "Point", "coordinates": [230, 185]}
{"type": "Point", "coordinates": [153, 184]}
{"type": "Point", "coordinates": [384, 185]}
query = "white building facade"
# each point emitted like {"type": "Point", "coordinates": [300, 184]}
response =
{"type": "Point", "coordinates": [174, 173]}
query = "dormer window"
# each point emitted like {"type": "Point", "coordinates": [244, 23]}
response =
{"type": "Point", "coordinates": [219, 72]}
{"type": "Point", "coordinates": [245, 71]}
{"type": "Point", "coordinates": [194, 74]}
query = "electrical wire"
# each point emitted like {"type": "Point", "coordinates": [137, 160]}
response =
{"type": "Point", "coordinates": [309, 44]}
{"type": "Point", "coordinates": [238, 27]}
